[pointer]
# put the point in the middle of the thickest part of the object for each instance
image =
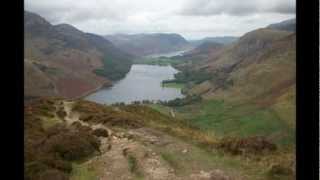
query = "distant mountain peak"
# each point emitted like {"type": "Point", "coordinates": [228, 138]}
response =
{"type": "Point", "coordinates": [148, 43]}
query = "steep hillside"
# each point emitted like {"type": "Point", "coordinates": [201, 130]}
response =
{"type": "Point", "coordinates": [247, 89]}
{"type": "Point", "coordinates": [261, 60]}
{"type": "Point", "coordinates": [202, 52]}
{"type": "Point", "coordinates": [66, 61]}
{"type": "Point", "coordinates": [147, 44]}
{"type": "Point", "coordinates": [226, 40]}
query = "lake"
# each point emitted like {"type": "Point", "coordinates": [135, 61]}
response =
{"type": "Point", "coordinates": [143, 82]}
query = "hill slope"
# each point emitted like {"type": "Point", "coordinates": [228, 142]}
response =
{"type": "Point", "coordinates": [256, 60]}
{"type": "Point", "coordinates": [225, 40]}
{"type": "Point", "coordinates": [68, 59]}
{"type": "Point", "coordinates": [287, 25]}
{"type": "Point", "coordinates": [201, 52]}
{"type": "Point", "coordinates": [147, 44]}
{"type": "Point", "coordinates": [84, 140]}
{"type": "Point", "coordinates": [248, 88]}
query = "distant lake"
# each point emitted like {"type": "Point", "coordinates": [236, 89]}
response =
{"type": "Point", "coordinates": [143, 82]}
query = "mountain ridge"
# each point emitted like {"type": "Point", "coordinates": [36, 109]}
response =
{"type": "Point", "coordinates": [225, 40]}
{"type": "Point", "coordinates": [148, 44]}
{"type": "Point", "coordinates": [287, 25]}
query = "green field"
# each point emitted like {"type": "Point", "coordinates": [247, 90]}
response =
{"type": "Point", "coordinates": [227, 119]}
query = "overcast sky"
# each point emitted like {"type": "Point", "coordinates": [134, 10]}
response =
{"type": "Point", "coordinates": [193, 19]}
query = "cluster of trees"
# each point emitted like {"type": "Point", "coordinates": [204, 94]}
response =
{"type": "Point", "coordinates": [135, 102]}
{"type": "Point", "coordinates": [190, 76]}
{"type": "Point", "coordinates": [113, 69]}
{"type": "Point", "coordinates": [189, 99]}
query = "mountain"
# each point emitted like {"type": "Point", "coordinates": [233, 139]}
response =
{"type": "Point", "coordinates": [256, 51]}
{"type": "Point", "coordinates": [287, 25]}
{"type": "Point", "coordinates": [221, 40]}
{"type": "Point", "coordinates": [148, 44]}
{"type": "Point", "coordinates": [202, 52]}
{"type": "Point", "coordinates": [258, 69]}
{"type": "Point", "coordinates": [61, 60]}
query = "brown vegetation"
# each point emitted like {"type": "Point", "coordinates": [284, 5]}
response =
{"type": "Point", "coordinates": [100, 132]}
{"type": "Point", "coordinates": [49, 152]}
{"type": "Point", "coordinates": [250, 145]}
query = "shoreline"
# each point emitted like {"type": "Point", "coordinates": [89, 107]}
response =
{"type": "Point", "coordinates": [90, 92]}
{"type": "Point", "coordinates": [104, 85]}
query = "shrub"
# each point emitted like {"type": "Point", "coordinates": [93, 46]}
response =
{"type": "Point", "coordinates": [183, 101]}
{"type": "Point", "coordinates": [78, 126]}
{"type": "Point", "coordinates": [250, 145]}
{"type": "Point", "coordinates": [100, 132]}
{"type": "Point", "coordinates": [49, 152]}
{"type": "Point", "coordinates": [73, 145]}
{"type": "Point", "coordinates": [279, 169]}
{"type": "Point", "coordinates": [61, 113]}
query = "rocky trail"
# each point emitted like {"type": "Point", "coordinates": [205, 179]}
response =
{"type": "Point", "coordinates": [145, 153]}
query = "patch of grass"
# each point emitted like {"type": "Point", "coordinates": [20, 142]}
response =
{"type": "Point", "coordinates": [82, 172]}
{"type": "Point", "coordinates": [49, 122]}
{"type": "Point", "coordinates": [243, 120]}
{"type": "Point", "coordinates": [173, 85]}
{"type": "Point", "coordinates": [165, 110]}
{"type": "Point", "coordinates": [132, 162]}
{"type": "Point", "coordinates": [171, 160]}
{"type": "Point", "coordinates": [133, 166]}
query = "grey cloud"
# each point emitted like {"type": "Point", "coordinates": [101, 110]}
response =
{"type": "Point", "coordinates": [58, 11]}
{"type": "Point", "coordinates": [190, 18]}
{"type": "Point", "coordinates": [237, 8]}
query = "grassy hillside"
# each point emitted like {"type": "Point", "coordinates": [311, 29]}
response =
{"type": "Point", "coordinates": [247, 90]}
{"type": "Point", "coordinates": [82, 139]}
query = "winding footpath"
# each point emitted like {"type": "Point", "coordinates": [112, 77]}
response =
{"type": "Point", "coordinates": [139, 154]}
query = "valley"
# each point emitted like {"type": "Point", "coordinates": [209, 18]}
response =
{"type": "Point", "coordinates": [157, 106]}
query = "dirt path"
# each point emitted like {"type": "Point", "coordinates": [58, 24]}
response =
{"type": "Point", "coordinates": [146, 153]}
